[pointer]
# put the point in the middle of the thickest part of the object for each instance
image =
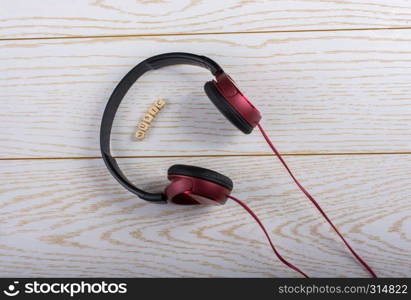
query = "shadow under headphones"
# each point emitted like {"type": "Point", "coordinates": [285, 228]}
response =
{"type": "Point", "coordinates": [195, 185]}
{"type": "Point", "coordinates": [189, 184]}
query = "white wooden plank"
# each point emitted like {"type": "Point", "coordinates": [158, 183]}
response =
{"type": "Point", "coordinates": [43, 18]}
{"type": "Point", "coordinates": [63, 218]}
{"type": "Point", "coordinates": [327, 92]}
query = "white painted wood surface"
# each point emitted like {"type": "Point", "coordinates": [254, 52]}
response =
{"type": "Point", "coordinates": [70, 218]}
{"type": "Point", "coordinates": [336, 101]}
{"type": "Point", "coordinates": [44, 18]}
{"type": "Point", "coordinates": [321, 92]}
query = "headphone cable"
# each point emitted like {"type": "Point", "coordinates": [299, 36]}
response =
{"type": "Point", "coordinates": [282, 259]}
{"type": "Point", "coordinates": [311, 198]}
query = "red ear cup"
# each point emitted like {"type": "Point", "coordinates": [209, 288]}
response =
{"type": "Point", "coordinates": [232, 103]}
{"type": "Point", "coordinates": [194, 185]}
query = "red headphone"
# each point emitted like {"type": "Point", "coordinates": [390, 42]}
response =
{"type": "Point", "coordinates": [190, 184]}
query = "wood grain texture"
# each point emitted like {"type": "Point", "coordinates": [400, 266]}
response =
{"type": "Point", "coordinates": [328, 92]}
{"type": "Point", "coordinates": [323, 88]}
{"type": "Point", "coordinates": [43, 18]}
{"type": "Point", "coordinates": [70, 218]}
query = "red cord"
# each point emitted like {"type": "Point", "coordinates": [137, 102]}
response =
{"type": "Point", "coordinates": [311, 198]}
{"type": "Point", "coordinates": [283, 260]}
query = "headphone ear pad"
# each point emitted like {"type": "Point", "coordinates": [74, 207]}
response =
{"type": "Point", "coordinates": [201, 173]}
{"type": "Point", "coordinates": [194, 185]}
{"type": "Point", "coordinates": [224, 106]}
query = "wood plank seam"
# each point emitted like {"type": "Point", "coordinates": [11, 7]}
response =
{"type": "Point", "coordinates": [209, 155]}
{"type": "Point", "coordinates": [202, 33]}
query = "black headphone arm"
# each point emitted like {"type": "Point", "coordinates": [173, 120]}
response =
{"type": "Point", "coordinates": [152, 63]}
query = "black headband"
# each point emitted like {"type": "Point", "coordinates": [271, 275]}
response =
{"type": "Point", "coordinates": [152, 63]}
